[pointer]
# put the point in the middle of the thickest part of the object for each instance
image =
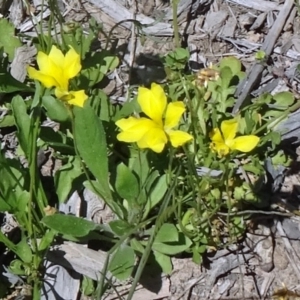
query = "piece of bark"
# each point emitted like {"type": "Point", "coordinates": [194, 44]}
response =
{"type": "Point", "coordinates": [290, 53]}
{"type": "Point", "coordinates": [119, 13]}
{"type": "Point", "coordinates": [79, 258]}
{"type": "Point", "coordinates": [290, 251]}
{"type": "Point", "coordinates": [24, 27]}
{"type": "Point", "coordinates": [246, 19]}
{"type": "Point", "coordinates": [228, 29]}
{"type": "Point", "coordinates": [253, 77]}
{"type": "Point", "coordinates": [186, 7]}
{"type": "Point", "coordinates": [290, 20]}
{"type": "Point", "coordinates": [296, 43]}
{"type": "Point", "coordinates": [23, 57]}
{"type": "Point", "coordinates": [214, 21]}
{"type": "Point", "coordinates": [259, 21]}
{"type": "Point", "coordinates": [158, 287]}
{"type": "Point", "coordinates": [16, 12]}
{"type": "Point", "coordinates": [259, 5]}
{"type": "Point", "coordinates": [60, 283]}
{"type": "Point", "coordinates": [96, 209]}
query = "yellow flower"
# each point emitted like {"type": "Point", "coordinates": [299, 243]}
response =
{"type": "Point", "coordinates": [55, 70]}
{"type": "Point", "coordinates": [154, 132]}
{"type": "Point", "coordinates": [225, 141]}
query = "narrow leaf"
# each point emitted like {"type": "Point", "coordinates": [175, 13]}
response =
{"type": "Point", "coordinates": [22, 121]}
{"type": "Point", "coordinates": [91, 143]}
{"type": "Point", "coordinates": [69, 225]}
{"type": "Point", "coordinates": [122, 263]}
{"type": "Point", "coordinates": [164, 261]}
{"type": "Point", "coordinates": [127, 185]}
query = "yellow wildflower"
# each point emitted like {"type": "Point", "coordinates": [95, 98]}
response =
{"type": "Point", "coordinates": [55, 70]}
{"type": "Point", "coordinates": [224, 140]}
{"type": "Point", "coordinates": [156, 130]}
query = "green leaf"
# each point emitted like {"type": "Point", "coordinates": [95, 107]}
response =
{"type": "Point", "coordinates": [127, 109]}
{"type": "Point", "coordinates": [225, 76]}
{"type": "Point", "coordinates": [120, 227]}
{"type": "Point", "coordinates": [136, 245]}
{"type": "Point", "coordinates": [156, 194]}
{"type": "Point", "coordinates": [96, 67]}
{"type": "Point", "coordinates": [22, 122]}
{"type": "Point", "coordinates": [57, 140]}
{"type": "Point", "coordinates": [9, 84]}
{"type": "Point", "coordinates": [139, 164]}
{"type": "Point", "coordinates": [198, 251]}
{"type": "Point", "coordinates": [284, 100]}
{"type": "Point", "coordinates": [173, 248]}
{"type": "Point", "coordinates": [7, 38]}
{"type": "Point", "coordinates": [181, 54]}
{"type": "Point", "coordinates": [12, 183]}
{"type": "Point", "coordinates": [232, 63]}
{"type": "Point", "coordinates": [17, 267]}
{"type": "Point", "coordinates": [122, 263]}
{"type": "Point", "coordinates": [167, 233]}
{"type": "Point", "coordinates": [22, 202]}
{"type": "Point", "coordinates": [102, 105]}
{"type": "Point", "coordinates": [178, 55]}
{"type": "Point", "coordinates": [89, 77]}
{"type": "Point", "coordinates": [46, 240]}
{"type": "Point", "coordinates": [7, 121]}
{"type": "Point", "coordinates": [68, 178]}
{"type": "Point", "coordinates": [265, 98]}
{"type": "Point", "coordinates": [164, 261]}
{"type": "Point", "coordinates": [23, 251]}
{"type": "Point", "coordinates": [272, 113]}
{"type": "Point", "coordinates": [69, 225]}
{"type": "Point", "coordinates": [275, 137]}
{"type": "Point", "coordinates": [91, 144]}
{"type": "Point", "coordinates": [4, 206]}
{"type": "Point", "coordinates": [87, 286]}
{"type": "Point", "coordinates": [55, 109]}
{"type": "Point", "coordinates": [127, 185]}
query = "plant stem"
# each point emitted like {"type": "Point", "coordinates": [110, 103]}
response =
{"type": "Point", "coordinates": [35, 199]}
{"type": "Point", "coordinates": [175, 23]}
{"type": "Point", "coordinates": [158, 223]}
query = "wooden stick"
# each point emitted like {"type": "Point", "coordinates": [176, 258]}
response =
{"type": "Point", "coordinates": [247, 85]}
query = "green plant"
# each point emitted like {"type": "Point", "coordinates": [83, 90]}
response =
{"type": "Point", "coordinates": [173, 164]}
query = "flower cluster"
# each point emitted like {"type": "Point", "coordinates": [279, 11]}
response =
{"type": "Point", "coordinates": [155, 130]}
{"type": "Point", "coordinates": [55, 70]}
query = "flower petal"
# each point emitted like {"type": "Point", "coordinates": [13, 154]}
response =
{"type": "Point", "coordinates": [178, 138]}
{"type": "Point", "coordinates": [47, 81]}
{"type": "Point", "coordinates": [216, 136]}
{"type": "Point", "coordinates": [173, 114]}
{"type": "Point", "coordinates": [133, 129]}
{"type": "Point", "coordinates": [153, 102]}
{"type": "Point", "coordinates": [245, 143]}
{"type": "Point", "coordinates": [71, 66]}
{"type": "Point", "coordinates": [218, 144]}
{"type": "Point", "coordinates": [229, 129]}
{"type": "Point", "coordinates": [49, 66]}
{"type": "Point", "coordinates": [78, 98]}
{"type": "Point", "coordinates": [56, 56]}
{"type": "Point", "coordinates": [154, 139]}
